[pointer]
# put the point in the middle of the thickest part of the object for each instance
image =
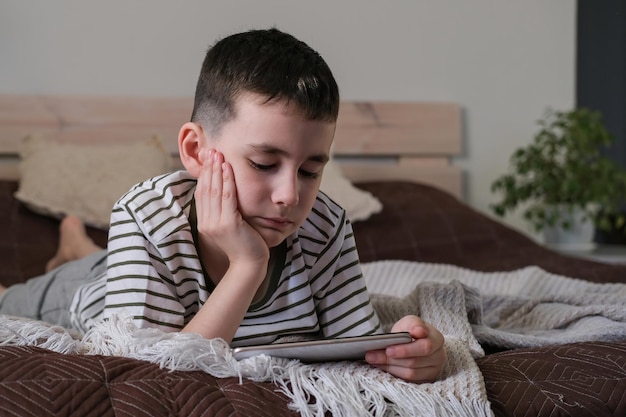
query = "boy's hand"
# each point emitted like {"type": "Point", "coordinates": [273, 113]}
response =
{"type": "Point", "coordinates": [219, 221]}
{"type": "Point", "coordinates": [418, 361]}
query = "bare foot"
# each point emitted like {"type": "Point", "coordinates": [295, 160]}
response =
{"type": "Point", "coordinates": [2, 289]}
{"type": "Point", "coordinates": [74, 243]}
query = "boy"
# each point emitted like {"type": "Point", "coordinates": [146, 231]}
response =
{"type": "Point", "coordinates": [241, 245]}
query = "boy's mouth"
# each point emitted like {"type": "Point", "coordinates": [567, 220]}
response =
{"type": "Point", "coordinates": [275, 222]}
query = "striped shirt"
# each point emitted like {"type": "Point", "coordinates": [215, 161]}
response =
{"type": "Point", "coordinates": [154, 272]}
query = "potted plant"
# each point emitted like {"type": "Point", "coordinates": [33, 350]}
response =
{"type": "Point", "coordinates": [563, 180]}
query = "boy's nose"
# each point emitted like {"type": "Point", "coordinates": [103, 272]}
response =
{"type": "Point", "coordinates": [286, 192]}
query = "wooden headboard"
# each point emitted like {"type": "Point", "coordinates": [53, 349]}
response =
{"type": "Point", "coordinates": [374, 140]}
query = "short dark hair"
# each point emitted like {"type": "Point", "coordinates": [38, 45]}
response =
{"type": "Point", "coordinates": [266, 62]}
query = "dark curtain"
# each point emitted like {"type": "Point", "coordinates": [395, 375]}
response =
{"type": "Point", "coordinates": [601, 66]}
{"type": "Point", "coordinates": [601, 76]}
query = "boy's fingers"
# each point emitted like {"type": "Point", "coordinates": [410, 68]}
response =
{"type": "Point", "coordinates": [416, 369]}
{"type": "Point", "coordinates": [426, 374]}
{"type": "Point", "coordinates": [203, 187]}
{"type": "Point", "coordinates": [229, 189]}
{"type": "Point", "coordinates": [215, 195]}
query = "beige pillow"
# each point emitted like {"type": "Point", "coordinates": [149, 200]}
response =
{"type": "Point", "coordinates": [359, 204]}
{"type": "Point", "coordinates": [57, 179]}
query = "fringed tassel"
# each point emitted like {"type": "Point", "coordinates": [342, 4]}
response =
{"type": "Point", "coordinates": [18, 331]}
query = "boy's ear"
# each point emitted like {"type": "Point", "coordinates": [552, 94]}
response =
{"type": "Point", "coordinates": [191, 141]}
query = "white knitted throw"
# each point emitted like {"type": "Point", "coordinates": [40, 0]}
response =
{"type": "Point", "coordinates": [528, 307]}
{"type": "Point", "coordinates": [525, 308]}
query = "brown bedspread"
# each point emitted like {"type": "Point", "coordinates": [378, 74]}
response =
{"type": "Point", "coordinates": [38, 382]}
{"type": "Point", "coordinates": [418, 223]}
{"type": "Point", "coordinates": [421, 223]}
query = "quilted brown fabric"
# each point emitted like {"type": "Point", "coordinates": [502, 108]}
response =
{"type": "Point", "coordinates": [419, 223]}
{"type": "Point", "coordinates": [36, 382]}
{"type": "Point", "coordinates": [582, 379]}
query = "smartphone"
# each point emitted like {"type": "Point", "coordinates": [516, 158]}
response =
{"type": "Point", "coordinates": [325, 350]}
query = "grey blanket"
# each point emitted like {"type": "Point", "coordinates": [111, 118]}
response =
{"type": "Point", "coordinates": [524, 308]}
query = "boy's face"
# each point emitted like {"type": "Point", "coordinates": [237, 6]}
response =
{"type": "Point", "coordinates": [277, 157]}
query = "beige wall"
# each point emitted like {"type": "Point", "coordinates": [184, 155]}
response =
{"type": "Point", "coordinates": [504, 62]}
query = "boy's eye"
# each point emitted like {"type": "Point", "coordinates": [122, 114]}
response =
{"type": "Point", "coordinates": [260, 167]}
{"type": "Point", "coordinates": [309, 174]}
{"type": "Point", "coordinates": [267, 167]}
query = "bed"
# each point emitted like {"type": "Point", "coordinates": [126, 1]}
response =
{"type": "Point", "coordinates": [401, 154]}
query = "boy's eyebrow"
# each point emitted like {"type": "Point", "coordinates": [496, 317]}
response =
{"type": "Point", "coordinates": [265, 148]}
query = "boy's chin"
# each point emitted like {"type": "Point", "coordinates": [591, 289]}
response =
{"type": "Point", "coordinates": [272, 243]}
{"type": "Point", "coordinates": [273, 238]}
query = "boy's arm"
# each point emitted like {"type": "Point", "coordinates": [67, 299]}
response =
{"type": "Point", "coordinates": [222, 229]}
{"type": "Point", "coordinates": [224, 310]}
